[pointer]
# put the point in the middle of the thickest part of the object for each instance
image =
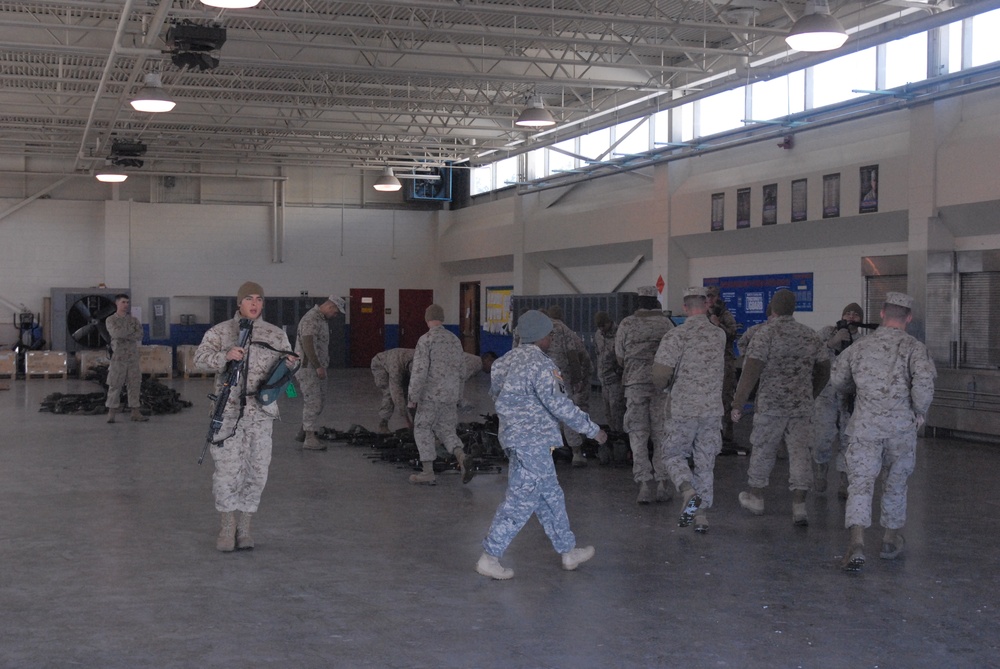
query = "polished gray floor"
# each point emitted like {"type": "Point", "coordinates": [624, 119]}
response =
{"type": "Point", "coordinates": [107, 559]}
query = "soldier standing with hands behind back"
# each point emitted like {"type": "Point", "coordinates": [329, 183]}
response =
{"type": "Point", "coordinates": [312, 345]}
{"type": "Point", "coordinates": [892, 375]}
{"type": "Point", "coordinates": [126, 335]}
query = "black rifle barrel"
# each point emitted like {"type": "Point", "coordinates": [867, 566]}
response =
{"type": "Point", "coordinates": [233, 369]}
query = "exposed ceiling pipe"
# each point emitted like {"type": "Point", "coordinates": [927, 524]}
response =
{"type": "Point", "coordinates": [31, 198]}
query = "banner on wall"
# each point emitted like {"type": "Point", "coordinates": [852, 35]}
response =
{"type": "Point", "coordinates": [498, 316]}
{"type": "Point", "coordinates": [747, 296]}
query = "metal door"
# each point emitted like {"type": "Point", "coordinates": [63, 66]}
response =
{"type": "Point", "coordinates": [367, 325]}
{"type": "Point", "coordinates": [412, 305]}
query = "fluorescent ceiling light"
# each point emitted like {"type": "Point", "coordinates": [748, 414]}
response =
{"type": "Point", "coordinates": [535, 115]}
{"type": "Point", "coordinates": [151, 97]}
{"type": "Point", "coordinates": [817, 30]}
{"type": "Point", "coordinates": [111, 176]}
{"type": "Point", "coordinates": [231, 4]}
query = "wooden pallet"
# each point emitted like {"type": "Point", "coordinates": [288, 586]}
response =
{"type": "Point", "coordinates": [47, 375]}
{"type": "Point", "coordinates": [159, 375]}
{"type": "Point", "coordinates": [198, 375]}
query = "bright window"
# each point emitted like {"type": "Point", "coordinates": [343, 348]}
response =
{"type": "Point", "coordinates": [955, 33]}
{"type": "Point", "coordinates": [985, 46]}
{"type": "Point", "coordinates": [506, 172]}
{"type": "Point", "coordinates": [906, 60]}
{"type": "Point", "coordinates": [559, 161]}
{"type": "Point", "coordinates": [595, 144]}
{"type": "Point", "coordinates": [482, 179]}
{"type": "Point", "coordinates": [536, 164]}
{"type": "Point", "coordinates": [721, 112]}
{"type": "Point", "coordinates": [835, 80]}
{"type": "Point", "coordinates": [778, 97]}
{"type": "Point", "coordinates": [637, 140]}
{"type": "Point", "coordinates": [661, 126]}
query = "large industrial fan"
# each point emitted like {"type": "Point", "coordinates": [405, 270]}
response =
{"type": "Point", "coordinates": [85, 320]}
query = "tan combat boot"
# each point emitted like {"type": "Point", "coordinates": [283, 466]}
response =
{"type": "Point", "coordinates": [753, 501]}
{"type": "Point", "coordinates": [312, 443]}
{"type": "Point", "coordinates": [892, 545]}
{"type": "Point", "coordinates": [227, 533]}
{"type": "Point", "coordinates": [244, 541]}
{"type": "Point", "coordinates": [111, 415]}
{"type": "Point", "coordinates": [578, 459]}
{"type": "Point", "coordinates": [577, 556]}
{"type": "Point", "coordinates": [690, 501]}
{"type": "Point", "coordinates": [425, 477]}
{"type": "Point", "coordinates": [663, 492]}
{"type": "Point", "coordinates": [383, 427]}
{"type": "Point", "coordinates": [489, 565]}
{"type": "Point", "coordinates": [301, 436]}
{"type": "Point", "coordinates": [464, 465]}
{"type": "Point", "coordinates": [854, 558]}
{"type": "Point", "coordinates": [137, 416]}
{"type": "Point", "coordinates": [645, 493]}
{"type": "Point", "coordinates": [800, 516]}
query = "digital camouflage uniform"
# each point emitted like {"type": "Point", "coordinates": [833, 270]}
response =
{"type": "Point", "coordinates": [126, 335]}
{"type": "Point", "coordinates": [892, 375]}
{"type": "Point", "coordinates": [694, 351]}
{"type": "Point", "coordinates": [527, 389]}
{"type": "Point", "coordinates": [313, 388]}
{"type": "Point", "coordinates": [391, 371]}
{"type": "Point", "coordinates": [831, 413]}
{"type": "Point", "coordinates": [435, 382]}
{"type": "Point", "coordinates": [789, 351]}
{"type": "Point", "coordinates": [567, 351]}
{"type": "Point", "coordinates": [242, 460]}
{"type": "Point", "coordinates": [609, 372]}
{"type": "Point", "coordinates": [636, 342]}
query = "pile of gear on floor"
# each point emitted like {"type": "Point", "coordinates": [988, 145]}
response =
{"type": "Point", "coordinates": [156, 399]}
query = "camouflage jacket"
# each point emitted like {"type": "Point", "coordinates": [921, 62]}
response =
{"type": "Point", "coordinates": [892, 376]}
{"type": "Point", "coordinates": [211, 357]}
{"type": "Point", "coordinates": [438, 371]}
{"type": "Point", "coordinates": [636, 342]}
{"type": "Point", "coordinates": [126, 335]}
{"type": "Point", "coordinates": [531, 401]}
{"type": "Point", "coordinates": [608, 369]}
{"type": "Point", "coordinates": [790, 351]}
{"type": "Point", "coordinates": [314, 324]}
{"type": "Point", "coordinates": [394, 366]}
{"type": "Point", "coordinates": [568, 352]}
{"type": "Point", "coordinates": [694, 351]}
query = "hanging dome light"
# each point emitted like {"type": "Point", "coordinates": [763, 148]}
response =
{"type": "Point", "coordinates": [387, 183]}
{"type": "Point", "coordinates": [109, 175]}
{"type": "Point", "coordinates": [535, 115]}
{"type": "Point", "coordinates": [817, 30]}
{"type": "Point", "coordinates": [151, 97]}
{"type": "Point", "coordinates": [231, 4]}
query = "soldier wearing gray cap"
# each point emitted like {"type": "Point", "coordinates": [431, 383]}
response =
{"type": "Point", "coordinates": [638, 338]}
{"type": "Point", "coordinates": [531, 402]}
{"type": "Point", "coordinates": [787, 358]}
{"type": "Point", "coordinates": [689, 361]}
{"type": "Point", "coordinates": [312, 345]}
{"type": "Point", "coordinates": [892, 377]}
{"type": "Point", "coordinates": [436, 379]}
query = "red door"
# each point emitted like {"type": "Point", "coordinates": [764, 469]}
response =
{"type": "Point", "coordinates": [412, 305]}
{"type": "Point", "coordinates": [367, 325]}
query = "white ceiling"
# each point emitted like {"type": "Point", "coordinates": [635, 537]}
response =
{"type": "Point", "coordinates": [316, 82]}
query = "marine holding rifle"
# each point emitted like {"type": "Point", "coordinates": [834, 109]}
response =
{"type": "Point", "coordinates": [242, 445]}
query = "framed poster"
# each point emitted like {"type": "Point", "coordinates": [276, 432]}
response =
{"type": "Point", "coordinates": [831, 195]}
{"type": "Point", "coordinates": [498, 315]}
{"type": "Point", "coordinates": [743, 208]}
{"type": "Point", "coordinates": [799, 211]}
{"type": "Point", "coordinates": [769, 212]}
{"type": "Point", "coordinates": [718, 211]}
{"type": "Point", "coordinates": [869, 190]}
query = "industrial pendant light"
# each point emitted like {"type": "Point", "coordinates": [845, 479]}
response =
{"type": "Point", "coordinates": [535, 115]}
{"type": "Point", "coordinates": [387, 183]}
{"type": "Point", "coordinates": [231, 4]}
{"type": "Point", "coordinates": [151, 97]}
{"type": "Point", "coordinates": [110, 175]}
{"type": "Point", "coordinates": [817, 30]}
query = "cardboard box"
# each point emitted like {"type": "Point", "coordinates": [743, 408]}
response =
{"type": "Point", "coordinates": [87, 361]}
{"type": "Point", "coordinates": [156, 360]}
{"type": "Point", "coordinates": [47, 363]}
{"type": "Point", "coordinates": [8, 364]}
{"type": "Point", "coordinates": [185, 362]}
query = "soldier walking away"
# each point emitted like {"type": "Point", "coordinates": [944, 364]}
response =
{"type": "Point", "coordinates": [638, 338]}
{"type": "Point", "coordinates": [126, 335]}
{"type": "Point", "coordinates": [570, 355]}
{"type": "Point", "coordinates": [832, 410]}
{"type": "Point", "coordinates": [391, 372]}
{"type": "Point", "coordinates": [242, 454]}
{"type": "Point", "coordinates": [531, 401]}
{"type": "Point", "coordinates": [892, 376]}
{"type": "Point", "coordinates": [719, 314]}
{"type": "Point", "coordinates": [435, 383]}
{"type": "Point", "coordinates": [312, 345]}
{"type": "Point", "coordinates": [787, 358]}
{"type": "Point", "coordinates": [689, 362]}
{"type": "Point", "coordinates": [609, 372]}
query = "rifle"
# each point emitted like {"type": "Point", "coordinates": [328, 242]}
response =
{"type": "Point", "coordinates": [234, 369]}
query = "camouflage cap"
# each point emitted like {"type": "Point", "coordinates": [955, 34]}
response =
{"type": "Point", "coordinates": [647, 291]}
{"type": "Point", "coordinates": [899, 299]}
{"type": "Point", "coordinates": [339, 301]}
{"type": "Point", "coordinates": [435, 312]}
{"type": "Point", "coordinates": [695, 291]}
{"type": "Point", "coordinates": [533, 325]}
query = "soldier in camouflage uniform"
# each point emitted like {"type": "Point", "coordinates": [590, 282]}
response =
{"type": "Point", "coordinates": [689, 361]}
{"type": "Point", "coordinates": [719, 314]}
{"type": "Point", "coordinates": [312, 345]}
{"type": "Point", "coordinates": [435, 382]}
{"type": "Point", "coordinates": [638, 338]}
{"type": "Point", "coordinates": [832, 410]}
{"type": "Point", "coordinates": [391, 371]}
{"type": "Point", "coordinates": [609, 372]}
{"type": "Point", "coordinates": [892, 376]}
{"type": "Point", "coordinates": [474, 364]}
{"type": "Point", "coordinates": [570, 355]}
{"type": "Point", "coordinates": [126, 335]}
{"type": "Point", "coordinates": [531, 402]}
{"type": "Point", "coordinates": [788, 360]}
{"type": "Point", "coordinates": [244, 454]}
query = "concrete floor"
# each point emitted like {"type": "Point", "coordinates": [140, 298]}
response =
{"type": "Point", "coordinates": [107, 559]}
